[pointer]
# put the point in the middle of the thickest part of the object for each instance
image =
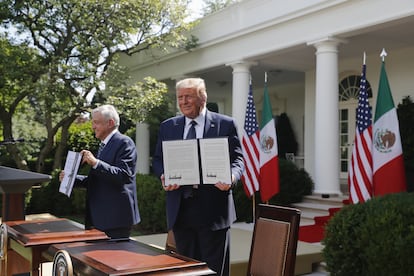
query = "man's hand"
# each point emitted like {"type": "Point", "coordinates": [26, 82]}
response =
{"type": "Point", "coordinates": [88, 157]}
{"type": "Point", "coordinates": [169, 187]}
{"type": "Point", "coordinates": [223, 186]}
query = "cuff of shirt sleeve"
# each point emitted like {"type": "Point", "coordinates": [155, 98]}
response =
{"type": "Point", "coordinates": [97, 163]}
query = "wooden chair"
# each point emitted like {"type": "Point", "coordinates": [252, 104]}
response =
{"type": "Point", "coordinates": [274, 242]}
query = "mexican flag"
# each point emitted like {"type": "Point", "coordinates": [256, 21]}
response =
{"type": "Point", "coordinates": [269, 162]}
{"type": "Point", "coordinates": [388, 163]}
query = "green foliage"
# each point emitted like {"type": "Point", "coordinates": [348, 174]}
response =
{"type": "Point", "coordinates": [136, 101]}
{"type": "Point", "coordinates": [48, 199]}
{"type": "Point", "coordinates": [19, 68]}
{"type": "Point", "coordinates": [372, 238]}
{"type": "Point", "coordinates": [65, 52]}
{"type": "Point", "coordinates": [294, 184]}
{"type": "Point", "coordinates": [405, 111]}
{"type": "Point", "coordinates": [151, 198]}
{"type": "Point", "coordinates": [286, 140]}
{"type": "Point", "coordinates": [212, 6]}
{"type": "Point", "coordinates": [151, 203]}
{"type": "Point", "coordinates": [157, 115]}
{"type": "Point", "coordinates": [81, 136]}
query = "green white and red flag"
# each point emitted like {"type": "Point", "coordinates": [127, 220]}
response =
{"type": "Point", "coordinates": [388, 162]}
{"type": "Point", "coordinates": [269, 161]}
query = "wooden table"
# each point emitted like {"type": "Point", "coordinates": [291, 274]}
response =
{"type": "Point", "coordinates": [125, 258]}
{"type": "Point", "coordinates": [27, 240]}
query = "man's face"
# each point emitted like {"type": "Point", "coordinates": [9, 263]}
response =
{"type": "Point", "coordinates": [189, 102]}
{"type": "Point", "coordinates": [101, 126]}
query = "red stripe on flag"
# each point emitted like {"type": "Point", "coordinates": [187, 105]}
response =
{"type": "Point", "coordinates": [250, 177]}
{"type": "Point", "coordinates": [360, 173]}
{"type": "Point", "coordinates": [390, 178]}
{"type": "Point", "coordinates": [269, 179]}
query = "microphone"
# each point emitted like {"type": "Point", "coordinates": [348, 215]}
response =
{"type": "Point", "coordinates": [11, 141]}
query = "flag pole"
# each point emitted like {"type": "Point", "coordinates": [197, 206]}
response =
{"type": "Point", "coordinates": [266, 202]}
{"type": "Point", "coordinates": [254, 207]}
{"type": "Point", "coordinates": [383, 54]}
{"type": "Point", "coordinates": [253, 196]}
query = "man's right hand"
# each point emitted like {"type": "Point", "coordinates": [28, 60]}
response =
{"type": "Point", "coordinates": [169, 187]}
{"type": "Point", "coordinates": [61, 175]}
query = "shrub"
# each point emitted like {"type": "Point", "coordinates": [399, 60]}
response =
{"type": "Point", "coordinates": [151, 203]}
{"type": "Point", "coordinates": [48, 199]}
{"type": "Point", "coordinates": [372, 238]}
{"type": "Point", "coordinates": [294, 184]}
{"type": "Point", "coordinates": [405, 112]}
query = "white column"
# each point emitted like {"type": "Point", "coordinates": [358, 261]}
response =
{"type": "Point", "coordinates": [240, 91]}
{"type": "Point", "coordinates": [326, 163]}
{"type": "Point", "coordinates": [142, 141]}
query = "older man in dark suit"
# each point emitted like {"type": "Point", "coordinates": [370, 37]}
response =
{"type": "Point", "coordinates": [200, 216]}
{"type": "Point", "coordinates": [111, 200]}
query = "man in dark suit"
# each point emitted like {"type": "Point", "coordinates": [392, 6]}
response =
{"type": "Point", "coordinates": [200, 215]}
{"type": "Point", "coordinates": [111, 200]}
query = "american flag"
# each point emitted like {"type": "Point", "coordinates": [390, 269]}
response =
{"type": "Point", "coordinates": [250, 146]}
{"type": "Point", "coordinates": [360, 172]}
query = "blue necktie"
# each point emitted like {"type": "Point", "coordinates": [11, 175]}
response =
{"type": "Point", "coordinates": [192, 132]}
{"type": "Point", "coordinates": [101, 146]}
{"type": "Point", "coordinates": [188, 190]}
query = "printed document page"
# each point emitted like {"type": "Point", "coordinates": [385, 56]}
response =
{"type": "Point", "coordinates": [73, 160]}
{"type": "Point", "coordinates": [181, 164]}
{"type": "Point", "coordinates": [215, 160]}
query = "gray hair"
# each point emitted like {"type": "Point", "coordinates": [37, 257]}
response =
{"type": "Point", "coordinates": [108, 112]}
{"type": "Point", "coordinates": [195, 83]}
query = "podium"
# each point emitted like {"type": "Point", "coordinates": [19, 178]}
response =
{"type": "Point", "coordinates": [27, 240]}
{"type": "Point", "coordinates": [13, 185]}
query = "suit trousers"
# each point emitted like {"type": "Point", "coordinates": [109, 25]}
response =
{"type": "Point", "coordinates": [196, 240]}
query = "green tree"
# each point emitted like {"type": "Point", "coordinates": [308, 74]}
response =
{"type": "Point", "coordinates": [405, 113]}
{"type": "Point", "coordinates": [18, 71]}
{"type": "Point", "coordinates": [286, 140]}
{"type": "Point", "coordinates": [76, 44]}
{"type": "Point", "coordinates": [212, 6]}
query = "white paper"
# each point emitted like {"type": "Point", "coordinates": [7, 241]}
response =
{"type": "Point", "coordinates": [182, 162]}
{"type": "Point", "coordinates": [215, 160]}
{"type": "Point", "coordinates": [73, 160]}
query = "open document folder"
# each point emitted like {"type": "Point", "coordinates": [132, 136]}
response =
{"type": "Point", "coordinates": [196, 161]}
{"type": "Point", "coordinates": [73, 160]}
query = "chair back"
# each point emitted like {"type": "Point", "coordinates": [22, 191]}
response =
{"type": "Point", "coordinates": [274, 242]}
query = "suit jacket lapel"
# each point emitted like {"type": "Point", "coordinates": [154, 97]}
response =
{"type": "Point", "coordinates": [178, 129]}
{"type": "Point", "coordinates": [210, 125]}
{"type": "Point", "coordinates": [108, 146]}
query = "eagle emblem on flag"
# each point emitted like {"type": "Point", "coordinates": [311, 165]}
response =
{"type": "Point", "coordinates": [384, 139]}
{"type": "Point", "coordinates": [267, 143]}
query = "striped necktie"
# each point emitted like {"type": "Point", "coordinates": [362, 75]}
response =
{"type": "Point", "coordinates": [101, 146]}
